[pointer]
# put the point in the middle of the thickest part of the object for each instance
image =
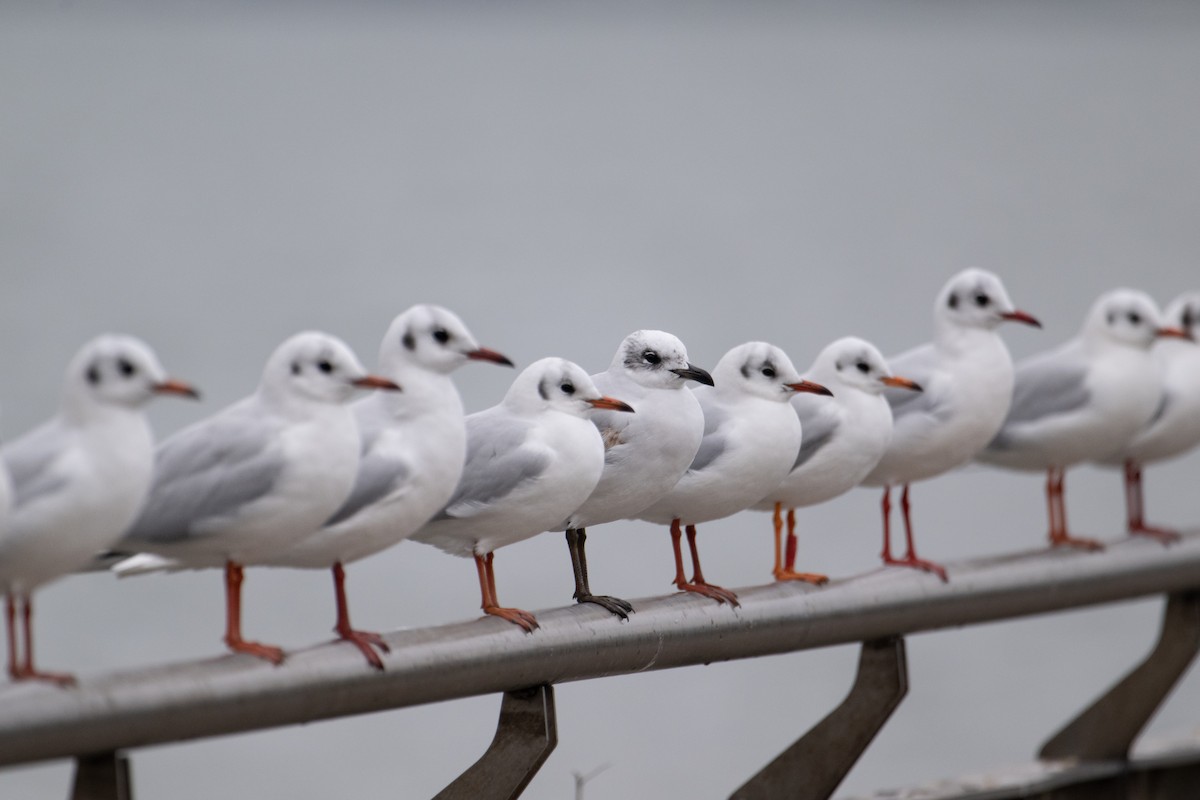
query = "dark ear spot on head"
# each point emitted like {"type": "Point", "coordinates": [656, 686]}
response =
{"type": "Point", "coordinates": [746, 370]}
{"type": "Point", "coordinates": [92, 374]}
{"type": "Point", "coordinates": [1112, 317]}
{"type": "Point", "coordinates": [542, 391]}
{"type": "Point", "coordinates": [953, 301]}
{"type": "Point", "coordinates": [409, 341]}
{"type": "Point", "coordinates": [295, 367]}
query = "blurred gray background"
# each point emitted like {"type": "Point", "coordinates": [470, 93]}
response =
{"type": "Point", "coordinates": [214, 178]}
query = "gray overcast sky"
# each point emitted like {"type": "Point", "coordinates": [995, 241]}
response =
{"type": "Point", "coordinates": [561, 175]}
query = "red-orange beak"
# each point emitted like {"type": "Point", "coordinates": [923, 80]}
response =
{"type": "Point", "coordinates": [897, 382]}
{"type": "Point", "coordinates": [1171, 332]}
{"type": "Point", "coordinates": [485, 354]}
{"type": "Point", "coordinates": [809, 386]}
{"type": "Point", "coordinates": [375, 382]}
{"type": "Point", "coordinates": [1021, 316]}
{"type": "Point", "coordinates": [610, 403]}
{"type": "Point", "coordinates": [172, 386]}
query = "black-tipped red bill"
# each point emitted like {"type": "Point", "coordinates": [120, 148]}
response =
{"type": "Point", "coordinates": [896, 382]}
{"type": "Point", "coordinates": [172, 386]}
{"type": "Point", "coordinates": [376, 382]}
{"type": "Point", "coordinates": [1171, 332]}
{"type": "Point", "coordinates": [1021, 316]}
{"type": "Point", "coordinates": [610, 403]}
{"type": "Point", "coordinates": [809, 386]}
{"type": "Point", "coordinates": [487, 354]}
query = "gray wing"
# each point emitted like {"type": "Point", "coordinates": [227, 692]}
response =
{"type": "Point", "coordinates": [29, 461]}
{"type": "Point", "coordinates": [498, 461]}
{"type": "Point", "coordinates": [819, 423]}
{"type": "Point", "coordinates": [378, 476]}
{"type": "Point", "coordinates": [714, 442]}
{"type": "Point", "coordinates": [1048, 385]}
{"type": "Point", "coordinates": [919, 365]}
{"type": "Point", "coordinates": [209, 471]}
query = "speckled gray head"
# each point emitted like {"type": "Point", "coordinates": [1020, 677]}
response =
{"type": "Point", "coordinates": [976, 298]}
{"type": "Point", "coordinates": [657, 360]}
{"type": "Point", "coordinates": [857, 363]}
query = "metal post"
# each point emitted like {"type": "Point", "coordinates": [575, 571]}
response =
{"type": "Point", "coordinates": [104, 776]}
{"type": "Point", "coordinates": [525, 737]}
{"type": "Point", "coordinates": [814, 766]}
{"type": "Point", "coordinates": [1107, 728]}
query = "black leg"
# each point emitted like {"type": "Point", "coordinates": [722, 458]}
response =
{"type": "Point", "coordinates": [576, 537]}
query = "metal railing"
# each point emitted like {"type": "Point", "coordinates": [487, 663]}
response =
{"type": "Point", "coordinates": [232, 694]}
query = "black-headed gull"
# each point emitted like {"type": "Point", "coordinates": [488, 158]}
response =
{"type": "Point", "coordinates": [967, 377]}
{"type": "Point", "coordinates": [1084, 400]}
{"type": "Point", "coordinates": [79, 479]}
{"type": "Point", "coordinates": [1175, 427]}
{"type": "Point", "coordinates": [842, 439]}
{"type": "Point", "coordinates": [413, 444]}
{"type": "Point", "coordinates": [644, 453]}
{"type": "Point", "coordinates": [531, 460]}
{"type": "Point", "coordinates": [257, 476]}
{"type": "Point", "coordinates": [751, 436]}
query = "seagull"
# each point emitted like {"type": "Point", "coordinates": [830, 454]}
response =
{"type": "Point", "coordinates": [77, 480]}
{"type": "Point", "coordinates": [255, 477]}
{"type": "Point", "coordinates": [843, 438]}
{"type": "Point", "coordinates": [1085, 400]}
{"type": "Point", "coordinates": [644, 453]}
{"type": "Point", "coordinates": [413, 444]}
{"type": "Point", "coordinates": [531, 460]}
{"type": "Point", "coordinates": [1175, 427]}
{"type": "Point", "coordinates": [751, 436]}
{"type": "Point", "coordinates": [967, 377]}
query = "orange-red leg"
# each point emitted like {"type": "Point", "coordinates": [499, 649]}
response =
{"type": "Point", "coordinates": [234, 576]}
{"type": "Point", "coordinates": [788, 573]}
{"type": "Point", "coordinates": [10, 627]}
{"type": "Point", "coordinates": [698, 583]}
{"type": "Point", "coordinates": [23, 669]}
{"type": "Point", "coordinates": [1135, 504]}
{"type": "Point", "coordinates": [681, 582]}
{"type": "Point", "coordinates": [365, 641]}
{"type": "Point", "coordinates": [1057, 508]}
{"type": "Point", "coordinates": [491, 603]}
{"type": "Point", "coordinates": [910, 558]}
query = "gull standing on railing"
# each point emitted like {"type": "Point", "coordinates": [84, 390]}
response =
{"type": "Point", "coordinates": [842, 439]}
{"type": "Point", "coordinates": [413, 444]}
{"type": "Point", "coordinates": [644, 453]}
{"type": "Point", "coordinates": [257, 476]}
{"type": "Point", "coordinates": [751, 435]}
{"type": "Point", "coordinates": [966, 373]}
{"type": "Point", "coordinates": [79, 479]}
{"type": "Point", "coordinates": [1085, 400]}
{"type": "Point", "coordinates": [531, 460]}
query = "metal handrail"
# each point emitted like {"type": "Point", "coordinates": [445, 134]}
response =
{"type": "Point", "coordinates": [239, 693]}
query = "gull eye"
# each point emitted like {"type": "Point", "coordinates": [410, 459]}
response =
{"type": "Point", "coordinates": [1134, 318]}
{"type": "Point", "coordinates": [863, 367]}
{"type": "Point", "coordinates": [768, 372]}
{"type": "Point", "coordinates": [982, 300]}
{"type": "Point", "coordinates": [325, 366]}
{"type": "Point", "coordinates": [126, 367]}
{"type": "Point", "coordinates": [651, 357]}
{"type": "Point", "coordinates": [568, 388]}
{"type": "Point", "coordinates": [441, 335]}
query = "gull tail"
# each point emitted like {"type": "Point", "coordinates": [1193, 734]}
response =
{"type": "Point", "coordinates": [144, 563]}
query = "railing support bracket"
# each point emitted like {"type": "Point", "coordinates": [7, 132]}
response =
{"type": "Point", "coordinates": [813, 767]}
{"type": "Point", "coordinates": [103, 776]}
{"type": "Point", "coordinates": [525, 736]}
{"type": "Point", "coordinates": [1107, 728]}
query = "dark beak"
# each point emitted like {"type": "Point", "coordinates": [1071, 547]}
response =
{"type": "Point", "coordinates": [484, 354]}
{"type": "Point", "coordinates": [172, 386]}
{"type": "Point", "coordinates": [901, 383]}
{"type": "Point", "coordinates": [1021, 316]}
{"type": "Point", "coordinates": [610, 403]}
{"type": "Point", "coordinates": [693, 373]}
{"type": "Point", "coordinates": [809, 386]}
{"type": "Point", "coordinates": [375, 382]}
